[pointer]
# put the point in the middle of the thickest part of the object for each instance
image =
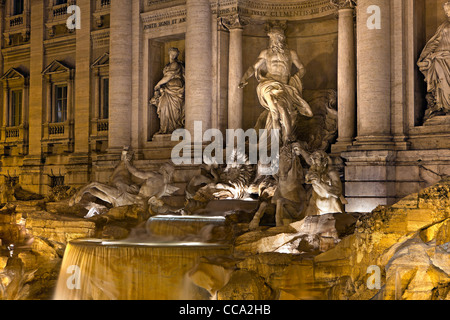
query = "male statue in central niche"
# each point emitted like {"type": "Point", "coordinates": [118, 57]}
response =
{"type": "Point", "coordinates": [278, 91]}
{"type": "Point", "coordinates": [169, 95]}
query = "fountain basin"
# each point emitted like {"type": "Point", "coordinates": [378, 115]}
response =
{"type": "Point", "coordinates": [181, 226]}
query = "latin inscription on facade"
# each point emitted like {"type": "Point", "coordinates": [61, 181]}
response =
{"type": "Point", "coordinates": [302, 10]}
{"type": "Point", "coordinates": [164, 23]}
{"type": "Point", "coordinates": [259, 11]}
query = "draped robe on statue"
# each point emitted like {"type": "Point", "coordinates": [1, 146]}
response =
{"type": "Point", "coordinates": [434, 63]}
{"type": "Point", "coordinates": [170, 103]}
{"type": "Point", "coordinates": [290, 93]}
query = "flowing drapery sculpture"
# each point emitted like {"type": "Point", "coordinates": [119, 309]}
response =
{"type": "Point", "coordinates": [278, 91]}
{"type": "Point", "coordinates": [169, 97]}
{"type": "Point", "coordinates": [434, 63]}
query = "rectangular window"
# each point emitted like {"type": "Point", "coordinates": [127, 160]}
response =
{"type": "Point", "coordinates": [58, 2]}
{"type": "Point", "coordinates": [60, 108]}
{"type": "Point", "coordinates": [56, 181]}
{"type": "Point", "coordinates": [17, 7]}
{"type": "Point", "coordinates": [15, 119]}
{"type": "Point", "coordinates": [104, 108]}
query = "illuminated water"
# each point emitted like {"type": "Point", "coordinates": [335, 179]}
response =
{"type": "Point", "coordinates": [182, 227]}
{"type": "Point", "coordinates": [142, 269]}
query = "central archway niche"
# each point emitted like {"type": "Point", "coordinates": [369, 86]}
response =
{"type": "Point", "coordinates": [315, 41]}
{"type": "Point", "coordinates": [312, 31]}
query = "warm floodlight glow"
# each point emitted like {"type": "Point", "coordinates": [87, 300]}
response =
{"type": "Point", "coordinates": [160, 244]}
{"type": "Point", "coordinates": [175, 217]}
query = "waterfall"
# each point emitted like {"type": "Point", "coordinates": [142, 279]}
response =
{"type": "Point", "coordinates": [96, 270]}
{"type": "Point", "coordinates": [183, 227]}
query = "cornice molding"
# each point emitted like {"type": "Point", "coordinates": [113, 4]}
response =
{"type": "Point", "coordinates": [234, 21]}
{"type": "Point", "coordinates": [164, 13]}
{"type": "Point", "coordinates": [344, 4]}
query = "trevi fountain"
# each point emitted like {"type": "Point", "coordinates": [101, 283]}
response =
{"type": "Point", "coordinates": [244, 150]}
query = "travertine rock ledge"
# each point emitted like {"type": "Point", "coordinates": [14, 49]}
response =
{"type": "Point", "coordinates": [321, 257]}
{"type": "Point", "coordinates": [409, 242]}
{"type": "Point", "coordinates": [59, 228]}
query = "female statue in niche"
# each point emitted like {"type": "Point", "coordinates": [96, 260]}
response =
{"type": "Point", "coordinates": [434, 63]}
{"type": "Point", "coordinates": [169, 95]}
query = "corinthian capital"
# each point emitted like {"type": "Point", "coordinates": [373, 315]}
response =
{"type": "Point", "coordinates": [234, 21]}
{"type": "Point", "coordinates": [344, 4]}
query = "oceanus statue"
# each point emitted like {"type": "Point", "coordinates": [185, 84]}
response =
{"type": "Point", "coordinates": [121, 190]}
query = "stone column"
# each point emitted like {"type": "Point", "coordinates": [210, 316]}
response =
{"type": "Point", "coordinates": [374, 74]}
{"type": "Point", "coordinates": [120, 75]}
{"type": "Point", "coordinates": [370, 162]}
{"type": "Point", "coordinates": [235, 24]}
{"type": "Point", "coordinates": [81, 115]}
{"type": "Point", "coordinates": [32, 177]}
{"type": "Point", "coordinates": [36, 67]}
{"type": "Point", "coordinates": [346, 77]}
{"type": "Point", "coordinates": [137, 116]}
{"type": "Point", "coordinates": [4, 84]}
{"type": "Point", "coordinates": [220, 116]}
{"type": "Point", "coordinates": [199, 80]}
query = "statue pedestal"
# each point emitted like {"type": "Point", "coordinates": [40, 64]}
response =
{"type": "Point", "coordinates": [160, 148]}
{"type": "Point", "coordinates": [162, 138]}
{"type": "Point", "coordinates": [438, 121]}
{"type": "Point", "coordinates": [434, 134]}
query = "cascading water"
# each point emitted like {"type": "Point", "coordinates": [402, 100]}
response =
{"type": "Point", "coordinates": [139, 269]}
{"type": "Point", "coordinates": [182, 227]}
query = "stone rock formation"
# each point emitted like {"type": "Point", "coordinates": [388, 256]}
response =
{"type": "Point", "coordinates": [328, 256]}
{"type": "Point", "coordinates": [312, 234]}
{"type": "Point", "coordinates": [213, 273]}
{"type": "Point", "coordinates": [332, 256]}
{"type": "Point", "coordinates": [34, 235]}
{"type": "Point", "coordinates": [245, 285]}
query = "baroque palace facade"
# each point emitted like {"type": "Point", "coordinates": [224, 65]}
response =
{"type": "Point", "coordinates": [72, 99]}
